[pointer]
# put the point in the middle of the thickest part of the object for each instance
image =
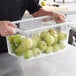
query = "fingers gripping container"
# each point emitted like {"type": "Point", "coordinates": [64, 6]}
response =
{"type": "Point", "coordinates": [40, 37]}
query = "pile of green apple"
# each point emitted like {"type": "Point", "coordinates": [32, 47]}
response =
{"type": "Point", "coordinates": [45, 42]}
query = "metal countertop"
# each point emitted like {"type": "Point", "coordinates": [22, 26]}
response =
{"type": "Point", "coordinates": [63, 64]}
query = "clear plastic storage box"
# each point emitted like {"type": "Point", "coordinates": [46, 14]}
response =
{"type": "Point", "coordinates": [39, 37]}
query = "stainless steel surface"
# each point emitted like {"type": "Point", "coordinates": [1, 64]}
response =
{"type": "Point", "coordinates": [62, 64]}
{"type": "Point", "coordinates": [9, 66]}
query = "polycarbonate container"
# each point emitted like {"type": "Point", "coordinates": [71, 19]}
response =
{"type": "Point", "coordinates": [37, 47]}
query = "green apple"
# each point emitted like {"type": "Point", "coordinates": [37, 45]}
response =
{"type": "Point", "coordinates": [27, 43]}
{"type": "Point", "coordinates": [56, 48]}
{"type": "Point", "coordinates": [49, 39]}
{"type": "Point", "coordinates": [43, 34]}
{"type": "Point", "coordinates": [42, 45]}
{"type": "Point", "coordinates": [13, 47]}
{"type": "Point", "coordinates": [56, 38]}
{"type": "Point", "coordinates": [36, 51]}
{"type": "Point", "coordinates": [62, 45]}
{"type": "Point", "coordinates": [49, 49]}
{"type": "Point", "coordinates": [28, 54]}
{"type": "Point", "coordinates": [10, 38]}
{"type": "Point", "coordinates": [17, 39]}
{"type": "Point", "coordinates": [52, 32]}
{"type": "Point", "coordinates": [43, 3]}
{"type": "Point", "coordinates": [36, 37]}
{"type": "Point", "coordinates": [62, 36]}
{"type": "Point", "coordinates": [34, 43]}
{"type": "Point", "coordinates": [19, 50]}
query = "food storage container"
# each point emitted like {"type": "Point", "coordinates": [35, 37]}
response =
{"type": "Point", "coordinates": [39, 37]}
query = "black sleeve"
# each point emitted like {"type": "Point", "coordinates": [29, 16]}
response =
{"type": "Point", "coordinates": [33, 6]}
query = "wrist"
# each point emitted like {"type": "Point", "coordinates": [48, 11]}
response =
{"type": "Point", "coordinates": [51, 13]}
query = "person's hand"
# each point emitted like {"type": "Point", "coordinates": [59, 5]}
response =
{"type": "Point", "coordinates": [58, 17]}
{"type": "Point", "coordinates": [6, 28]}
